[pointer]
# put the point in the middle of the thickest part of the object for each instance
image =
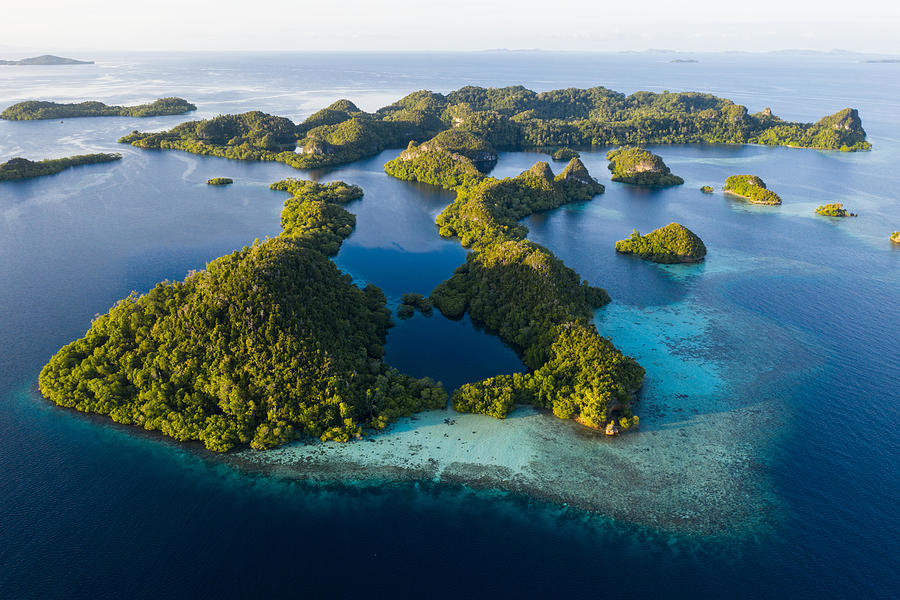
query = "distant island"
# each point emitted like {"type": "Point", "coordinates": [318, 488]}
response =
{"type": "Point", "coordinates": [895, 237]}
{"type": "Point", "coordinates": [32, 110]}
{"type": "Point", "coordinates": [751, 188]}
{"type": "Point", "coordinates": [684, 60]}
{"type": "Point", "coordinates": [673, 243]}
{"type": "Point", "coordinates": [46, 60]}
{"type": "Point", "coordinates": [220, 181]}
{"type": "Point", "coordinates": [835, 209]}
{"type": "Point", "coordinates": [640, 167]}
{"type": "Point", "coordinates": [707, 189]}
{"type": "Point", "coordinates": [509, 119]}
{"type": "Point", "coordinates": [884, 60]}
{"type": "Point", "coordinates": [22, 168]}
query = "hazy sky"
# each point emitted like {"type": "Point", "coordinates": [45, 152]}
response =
{"type": "Point", "coordinates": [691, 25]}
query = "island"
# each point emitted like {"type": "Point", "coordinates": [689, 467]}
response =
{"type": "Point", "coordinates": [707, 189]}
{"type": "Point", "coordinates": [751, 188]}
{"type": "Point", "coordinates": [220, 181]}
{"type": "Point", "coordinates": [684, 61]}
{"type": "Point", "coordinates": [22, 168]}
{"type": "Point", "coordinates": [671, 244]}
{"type": "Point", "coordinates": [835, 209]}
{"type": "Point", "coordinates": [268, 344]}
{"type": "Point", "coordinates": [46, 60]}
{"type": "Point", "coordinates": [895, 237]}
{"type": "Point", "coordinates": [565, 154]}
{"type": "Point", "coordinates": [410, 303]}
{"type": "Point", "coordinates": [509, 119]}
{"type": "Point", "coordinates": [639, 167]}
{"type": "Point", "coordinates": [33, 110]}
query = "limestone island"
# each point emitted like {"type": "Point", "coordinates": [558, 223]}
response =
{"type": "Point", "coordinates": [509, 119]}
{"type": "Point", "coordinates": [752, 189]}
{"type": "Point", "coordinates": [22, 168]}
{"type": "Point", "coordinates": [639, 167]}
{"type": "Point", "coordinates": [565, 154]}
{"type": "Point", "coordinates": [46, 60]}
{"type": "Point", "coordinates": [34, 110]}
{"type": "Point", "coordinates": [707, 189]}
{"type": "Point", "coordinates": [835, 209]}
{"type": "Point", "coordinates": [673, 243]}
{"type": "Point", "coordinates": [220, 181]}
{"type": "Point", "coordinates": [895, 237]}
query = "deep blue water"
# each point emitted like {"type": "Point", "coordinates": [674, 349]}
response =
{"type": "Point", "coordinates": [797, 315]}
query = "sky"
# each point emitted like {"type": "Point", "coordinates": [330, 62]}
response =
{"type": "Point", "coordinates": [52, 26]}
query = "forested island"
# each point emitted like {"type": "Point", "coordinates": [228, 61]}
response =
{"type": "Point", "coordinates": [520, 290]}
{"type": "Point", "coordinates": [565, 154]}
{"type": "Point", "coordinates": [33, 110]}
{"type": "Point", "coordinates": [673, 243]}
{"type": "Point", "coordinates": [512, 118]}
{"type": "Point", "coordinates": [46, 60]}
{"type": "Point", "coordinates": [220, 181]}
{"type": "Point", "coordinates": [835, 209]}
{"type": "Point", "coordinates": [639, 167]}
{"type": "Point", "coordinates": [268, 344]}
{"type": "Point", "coordinates": [895, 237]}
{"type": "Point", "coordinates": [707, 189]}
{"type": "Point", "coordinates": [751, 188]}
{"type": "Point", "coordinates": [22, 168]}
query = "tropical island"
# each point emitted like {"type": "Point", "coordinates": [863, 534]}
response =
{"type": "Point", "coordinates": [22, 168]}
{"type": "Point", "coordinates": [895, 237]}
{"type": "Point", "coordinates": [509, 119]}
{"type": "Point", "coordinates": [34, 110]}
{"type": "Point", "coordinates": [410, 303]}
{"type": "Point", "coordinates": [46, 60]}
{"type": "Point", "coordinates": [751, 188]}
{"type": "Point", "coordinates": [220, 181]}
{"type": "Point", "coordinates": [565, 154]}
{"type": "Point", "coordinates": [639, 167]}
{"type": "Point", "coordinates": [835, 209]}
{"type": "Point", "coordinates": [673, 243]}
{"type": "Point", "coordinates": [266, 345]}
{"type": "Point", "coordinates": [707, 189]}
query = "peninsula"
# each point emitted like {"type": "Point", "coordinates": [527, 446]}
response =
{"type": "Point", "coordinates": [673, 243]}
{"type": "Point", "coordinates": [46, 60]}
{"type": "Point", "coordinates": [22, 168]}
{"type": "Point", "coordinates": [33, 110]}
{"type": "Point", "coordinates": [751, 188]}
{"type": "Point", "coordinates": [639, 167]}
{"type": "Point", "coordinates": [511, 118]}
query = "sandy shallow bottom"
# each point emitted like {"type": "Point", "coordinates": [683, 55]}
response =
{"type": "Point", "coordinates": [687, 477]}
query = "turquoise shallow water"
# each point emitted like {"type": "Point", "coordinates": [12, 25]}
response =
{"type": "Point", "coordinates": [777, 356]}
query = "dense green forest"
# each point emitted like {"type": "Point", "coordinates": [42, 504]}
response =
{"type": "Point", "coordinates": [640, 167]}
{"type": "Point", "coordinates": [751, 188]}
{"type": "Point", "coordinates": [523, 292]}
{"type": "Point", "coordinates": [22, 168]}
{"type": "Point", "coordinates": [220, 181]}
{"type": "Point", "coordinates": [673, 243]}
{"type": "Point", "coordinates": [33, 110]}
{"type": "Point", "coordinates": [835, 209]}
{"type": "Point", "coordinates": [565, 154]}
{"type": "Point", "coordinates": [265, 345]}
{"type": "Point", "coordinates": [511, 118]}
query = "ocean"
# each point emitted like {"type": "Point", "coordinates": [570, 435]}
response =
{"type": "Point", "coordinates": [766, 465]}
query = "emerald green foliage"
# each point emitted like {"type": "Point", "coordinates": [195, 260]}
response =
{"type": "Point", "coordinates": [313, 215]}
{"type": "Point", "coordinates": [565, 154]}
{"type": "Point", "coordinates": [840, 131]}
{"type": "Point", "coordinates": [220, 181]}
{"type": "Point", "coordinates": [463, 143]}
{"type": "Point", "coordinates": [895, 237]}
{"type": "Point", "coordinates": [524, 293]}
{"type": "Point", "coordinates": [751, 188]}
{"type": "Point", "coordinates": [835, 209]}
{"type": "Point", "coordinates": [707, 189]}
{"type": "Point", "coordinates": [417, 302]}
{"type": "Point", "coordinates": [673, 243]}
{"type": "Point", "coordinates": [436, 167]}
{"type": "Point", "coordinates": [640, 167]}
{"type": "Point", "coordinates": [512, 118]}
{"type": "Point", "coordinates": [405, 311]}
{"type": "Point", "coordinates": [33, 110]}
{"type": "Point", "coordinates": [22, 168]}
{"type": "Point", "coordinates": [265, 345]}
